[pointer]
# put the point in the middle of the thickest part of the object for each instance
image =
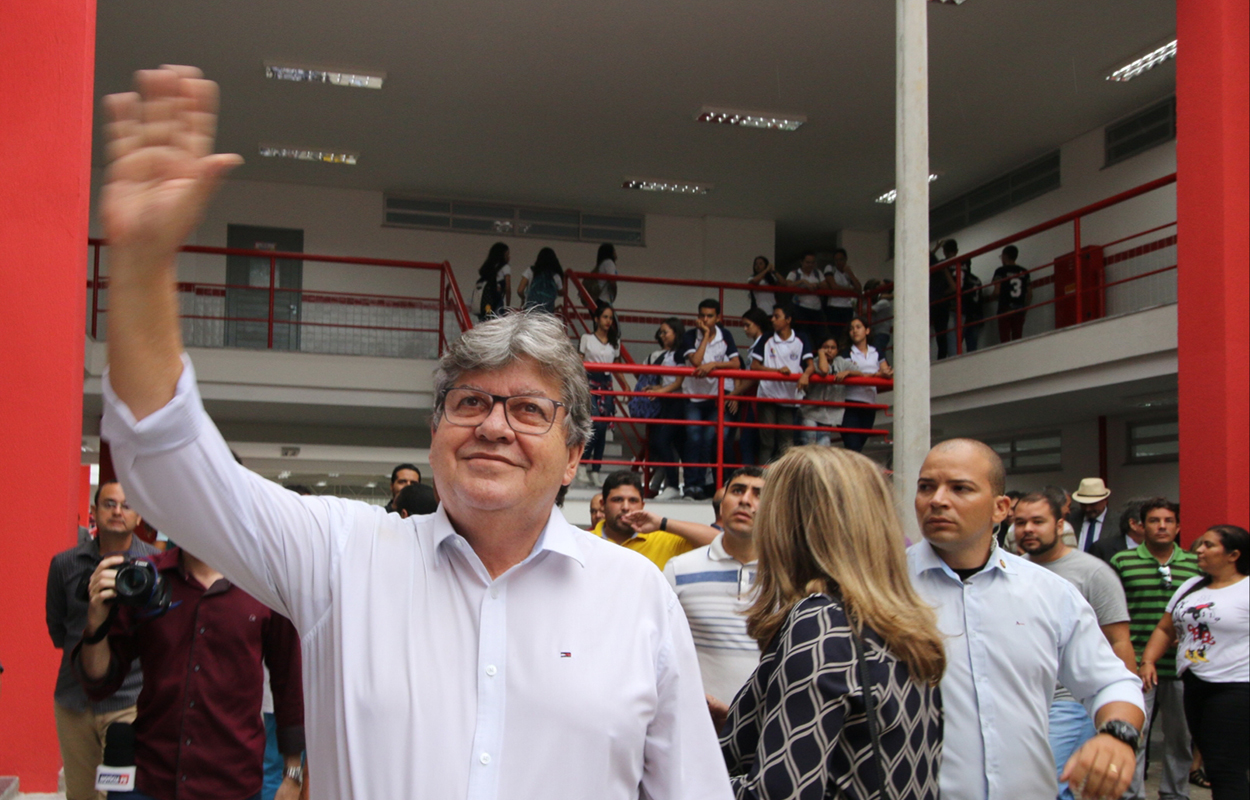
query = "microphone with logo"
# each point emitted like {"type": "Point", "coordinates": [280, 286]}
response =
{"type": "Point", "coordinates": [117, 773]}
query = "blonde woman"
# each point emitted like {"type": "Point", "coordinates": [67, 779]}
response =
{"type": "Point", "coordinates": [836, 614]}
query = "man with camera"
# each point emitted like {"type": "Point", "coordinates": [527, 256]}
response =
{"type": "Point", "coordinates": [81, 723]}
{"type": "Point", "coordinates": [201, 642]}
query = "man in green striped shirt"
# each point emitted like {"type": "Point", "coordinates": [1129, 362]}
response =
{"type": "Point", "coordinates": [1151, 573]}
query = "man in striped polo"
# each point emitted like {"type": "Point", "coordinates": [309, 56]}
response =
{"type": "Point", "coordinates": [1151, 573]}
{"type": "Point", "coordinates": [715, 585]}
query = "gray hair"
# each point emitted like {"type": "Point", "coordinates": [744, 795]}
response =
{"type": "Point", "coordinates": [533, 334]}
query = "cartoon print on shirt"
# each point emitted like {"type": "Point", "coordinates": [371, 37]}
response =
{"type": "Point", "coordinates": [1199, 630]}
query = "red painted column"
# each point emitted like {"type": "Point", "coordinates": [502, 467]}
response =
{"type": "Point", "coordinates": [47, 53]}
{"type": "Point", "coordinates": [1213, 259]}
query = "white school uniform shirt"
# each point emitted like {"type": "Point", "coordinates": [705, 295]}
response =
{"type": "Point", "coordinates": [869, 364]}
{"type": "Point", "coordinates": [572, 675]}
{"type": "Point", "coordinates": [596, 351]}
{"type": "Point", "coordinates": [774, 353]}
{"type": "Point", "coordinates": [843, 282]}
{"type": "Point", "coordinates": [715, 590]}
{"type": "Point", "coordinates": [719, 350]}
{"type": "Point", "coordinates": [809, 301]}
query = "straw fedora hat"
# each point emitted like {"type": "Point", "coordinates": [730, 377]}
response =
{"type": "Point", "coordinates": [1091, 490]}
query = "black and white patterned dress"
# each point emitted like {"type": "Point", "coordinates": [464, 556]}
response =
{"type": "Point", "coordinates": [798, 728]}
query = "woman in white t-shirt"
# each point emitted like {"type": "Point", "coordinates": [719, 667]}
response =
{"type": "Point", "coordinates": [764, 273]}
{"type": "Point", "coordinates": [866, 362]}
{"type": "Point", "coordinates": [605, 264]}
{"type": "Point", "coordinates": [601, 346]}
{"type": "Point", "coordinates": [1208, 622]}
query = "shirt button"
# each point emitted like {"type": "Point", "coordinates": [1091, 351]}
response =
{"type": "Point", "coordinates": [183, 779]}
{"type": "Point", "coordinates": [196, 668]}
{"type": "Point", "coordinates": [191, 704]}
{"type": "Point", "coordinates": [485, 758]}
{"type": "Point", "coordinates": [491, 670]}
{"type": "Point", "coordinates": [494, 593]}
{"type": "Point", "coordinates": [188, 742]}
{"type": "Point", "coordinates": [203, 629]}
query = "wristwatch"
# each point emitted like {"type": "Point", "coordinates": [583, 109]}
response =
{"type": "Point", "coordinates": [297, 774]}
{"type": "Point", "coordinates": [1121, 730]}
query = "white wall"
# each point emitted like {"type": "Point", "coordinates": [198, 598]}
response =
{"type": "Point", "coordinates": [349, 223]}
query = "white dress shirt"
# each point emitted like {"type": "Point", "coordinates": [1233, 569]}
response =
{"type": "Point", "coordinates": [572, 675]}
{"type": "Point", "coordinates": [1012, 631]}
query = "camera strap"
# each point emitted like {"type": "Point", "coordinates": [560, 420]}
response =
{"type": "Point", "coordinates": [103, 630]}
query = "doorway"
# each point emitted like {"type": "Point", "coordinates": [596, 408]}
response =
{"type": "Point", "coordinates": [247, 289]}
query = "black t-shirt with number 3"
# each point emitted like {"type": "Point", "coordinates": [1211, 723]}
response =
{"type": "Point", "coordinates": [1014, 289]}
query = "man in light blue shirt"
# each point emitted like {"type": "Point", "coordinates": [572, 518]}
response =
{"type": "Point", "coordinates": [1013, 630]}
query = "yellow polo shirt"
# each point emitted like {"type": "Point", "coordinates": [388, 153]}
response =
{"type": "Point", "coordinates": [659, 546]}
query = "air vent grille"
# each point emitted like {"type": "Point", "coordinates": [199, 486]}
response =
{"type": "Point", "coordinates": [497, 219]}
{"type": "Point", "coordinates": [1019, 186]}
{"type": "Point", "coordinates": [1140, 132]}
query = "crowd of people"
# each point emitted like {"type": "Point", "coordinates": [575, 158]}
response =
{"type": "Point", "coordinates": [488, 648]}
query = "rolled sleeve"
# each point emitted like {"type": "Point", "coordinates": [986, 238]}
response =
{"type": "Point", "coordinates": [1088, 667]}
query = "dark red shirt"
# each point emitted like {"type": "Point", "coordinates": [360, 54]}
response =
{"type": "Point", "coordinates": [199, 734]}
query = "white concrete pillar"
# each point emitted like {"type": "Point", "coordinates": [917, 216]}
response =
{"type": "Point", "coordinates": [911, 256]}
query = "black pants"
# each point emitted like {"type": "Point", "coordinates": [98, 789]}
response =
{"type": "Point", "coordinates": [1217, 715]}
{"type": "Point", "coordinates": [857, 418]}
{"type": "Point", "coordinates": [939, 319]}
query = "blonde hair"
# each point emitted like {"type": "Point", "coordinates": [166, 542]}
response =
{"type": "Point", "coordinates": [826, 523]}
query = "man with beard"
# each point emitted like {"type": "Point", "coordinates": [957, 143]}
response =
{"type": "Point", "coordinates": [1037, 520]}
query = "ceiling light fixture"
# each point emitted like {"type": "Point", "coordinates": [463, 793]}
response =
{"type": "Point", "coordinates": [657, 185]}
{"type": "Point", "coordinates": [751, 119]}
{"type": "Point", "coordinates": [321, 483]}
{"type": "Point", "coordinates": [284, 474]}
{"type": "Point", "coordinates": [1144, 64]}
{"type": "Point", "coordinates": [308, 154]}
{"type": "Point", "coordinates": [359, 80]}
{"type": "Point", "coordinates": [892, 195]}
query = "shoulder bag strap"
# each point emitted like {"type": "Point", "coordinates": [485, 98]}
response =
{"type": "Point", "coordinates": [870, 709]}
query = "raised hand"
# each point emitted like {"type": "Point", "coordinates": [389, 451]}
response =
{"type": "Point", "coordinates": [162, 170]}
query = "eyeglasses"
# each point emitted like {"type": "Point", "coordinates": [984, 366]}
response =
{"type": "Point", "coordinates": [1166, 572]}
{"type": "Point", "coordinates": [113, 505]}
{"type": "Point", "coordinates": [529, 414]}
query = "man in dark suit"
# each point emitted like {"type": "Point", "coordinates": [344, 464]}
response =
{"type": "Point", "coordinates": [1089, 521]}
{"type": "Point", "coordinates": [1130, 533]}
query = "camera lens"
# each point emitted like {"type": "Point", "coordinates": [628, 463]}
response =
{"type": "Point", "coordinates": [133, 583]}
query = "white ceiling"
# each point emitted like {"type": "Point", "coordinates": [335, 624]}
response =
{"type": "Point", "coordinates": [553, 103]}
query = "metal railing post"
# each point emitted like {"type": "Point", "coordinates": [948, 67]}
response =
{"type": "Point", "coordinates": [442, 306]}
{"type": "Point", "coordinates": [273, 270]}
{"type": "Point", "coordinates": [1076, 260]}
{"type": "Point", "coordinates": [959, 308]}
{"type": "Point", "coordinates": [95, 290]}
{"type": "Point", "coordinates": [720, 432]}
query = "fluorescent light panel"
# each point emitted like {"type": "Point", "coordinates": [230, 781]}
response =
{"type": "Point", "coordinates": [751, 119]}
{"type": "Point", "coordinates": [308, 154]}
{"type": "Point", "coordinates": [1144, 64]}
{"type": "Point", "coordinates": [892, 195]}
{"type": "Point", "coordinates": [360, 80]}
{"type": "Point", "coordinates": [659, 185]}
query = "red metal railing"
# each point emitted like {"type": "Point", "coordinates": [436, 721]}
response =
{"type": "Point", "coordinates": [1082, 299]}
{"type": "Point", "coordinates": [365, 323]}
{"type": "Point", "coordinates": [721, 423]}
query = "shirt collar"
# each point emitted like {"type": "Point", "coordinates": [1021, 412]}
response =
{"type": "Point", "coordinates": [793, 335]}
{"type": "Point", "coordinates": [557, 535]}
{"type": "Point", "coordinates": [1144, 552]}
{"type": "Point", "coordinates": [927, 558]}
{"type": "Point", "coordinates": [698, 335]}
{"type": "Point", "coordinates": [717, 552]}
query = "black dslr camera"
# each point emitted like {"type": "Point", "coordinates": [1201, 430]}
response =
{"type": "Point", "coordinates": [138, 584]}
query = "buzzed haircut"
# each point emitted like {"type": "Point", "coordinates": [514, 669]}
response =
{"type": "Point", "coordinates": [841, 250]}
{"type": "Point", "coordinates": [417, 499]}
{"type": "Point", "coordinates": [1158, 502]}
{"type": "Point", "coordinates": [710, 303]}
{"type": "Point", "coordinates": [395, 472]}
{"type": "Point", "coordinates": [98, 488]}
{"type": "Point", "coordinates": [950, 246]}
{"type": "Point", "coordinates": [785, 308]}
{"type": "Point", "coordinates": [1056, 509]}
{"type": "Point", "coordinates": [1011, 251]}
{"type": "Point", "coordinates": [997, 473]}
{"type": "Point", "coordinates": [620, 478]}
